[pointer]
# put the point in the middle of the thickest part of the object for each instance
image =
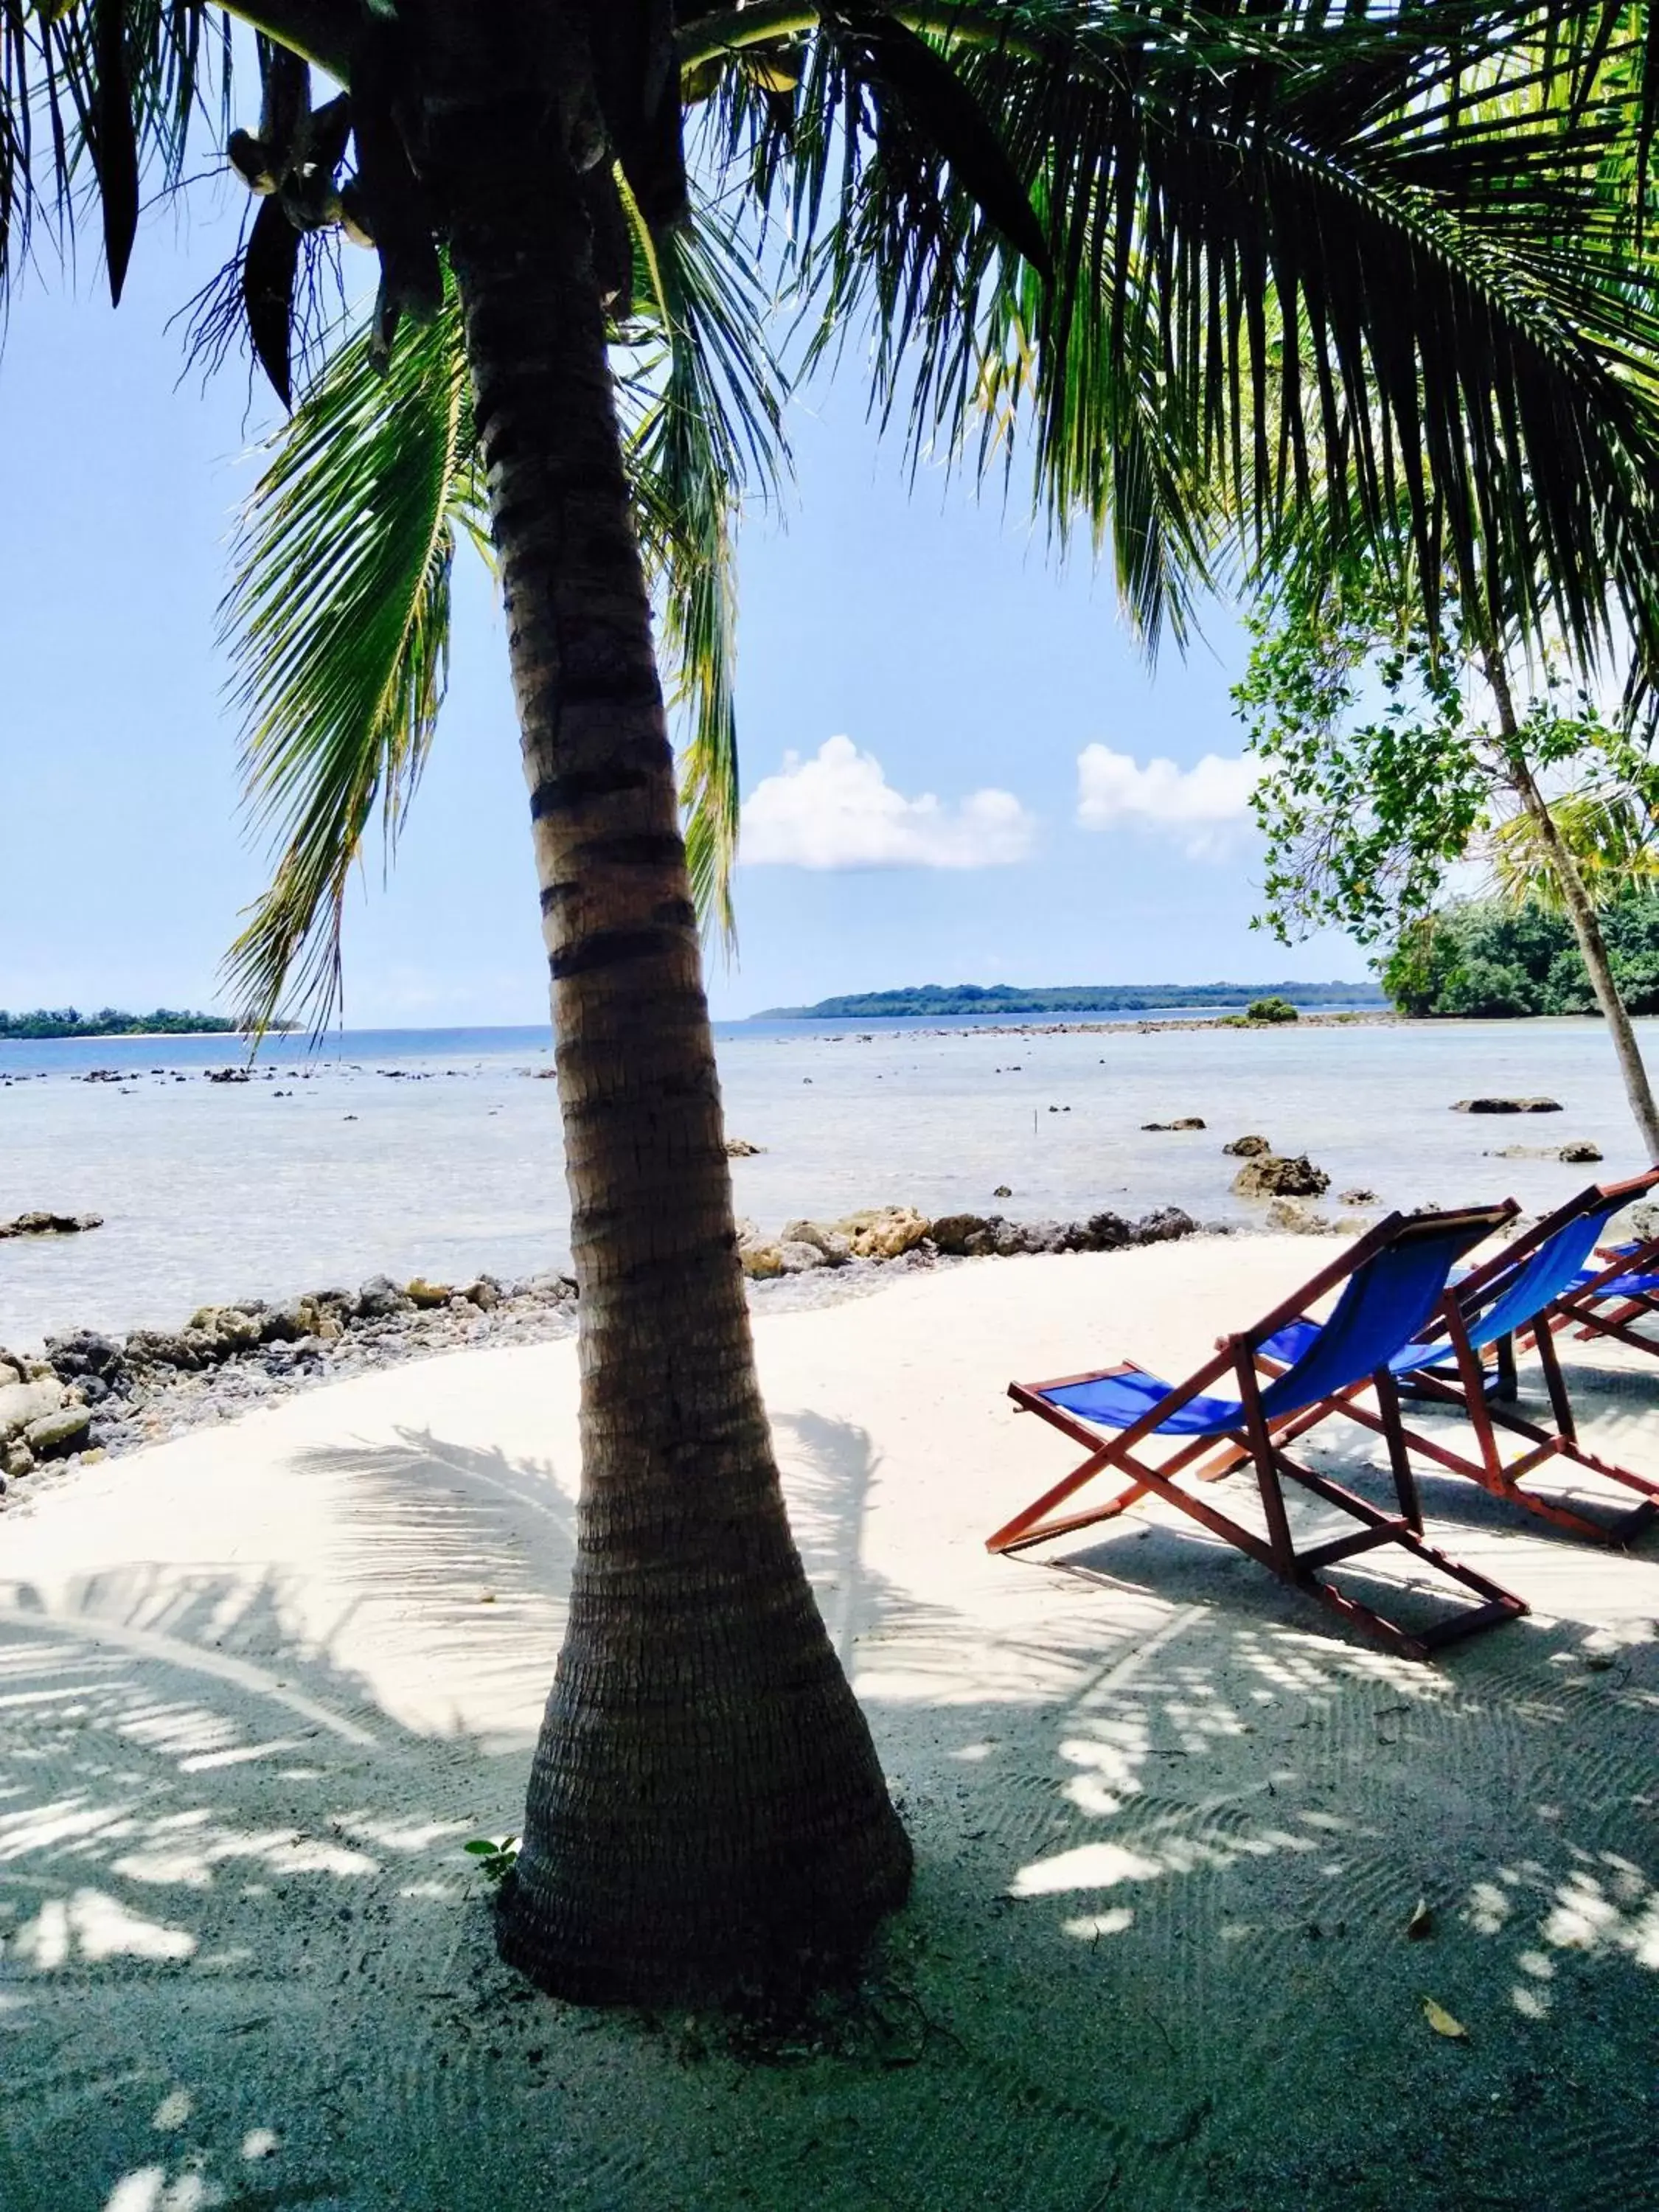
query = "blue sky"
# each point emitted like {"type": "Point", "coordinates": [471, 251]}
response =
{"type": "Point", "coordinates": [988, 808]}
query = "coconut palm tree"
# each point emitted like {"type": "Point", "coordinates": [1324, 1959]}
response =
{"type": "Point", "coordinates": [1142, 245]}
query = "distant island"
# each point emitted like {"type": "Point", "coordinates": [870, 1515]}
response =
{"type": "Point", "coordinates": [998, 999]}
{"type": "Point", "coordinates": [69, 1022]}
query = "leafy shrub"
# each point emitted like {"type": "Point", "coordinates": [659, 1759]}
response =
{"type": "Point", "coordinates": [1270, 1010]}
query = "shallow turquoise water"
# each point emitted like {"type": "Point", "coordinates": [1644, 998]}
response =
{"type": "Point", "coordinates": [453, 1164]}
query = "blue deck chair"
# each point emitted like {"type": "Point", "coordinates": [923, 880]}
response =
{"type": "Point", "coordinates": [1510, 1298]}
{"type": "Point", "coordinates": [1393, 1283]}
{"type": "Point", "coordinates": [1609, 1299]}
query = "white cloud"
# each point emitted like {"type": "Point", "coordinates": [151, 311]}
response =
{"type": "Point", "coordinates": [837, 810]}
{"type": "Point", "coordinates": [1200, 806]}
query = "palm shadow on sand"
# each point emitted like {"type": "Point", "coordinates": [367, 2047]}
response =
{"type": "Point", "coordinates": [1156, 1956]}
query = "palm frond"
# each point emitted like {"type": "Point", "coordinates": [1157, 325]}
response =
{"type": "Point", "coordinates": [337, 619]}
{"type": "Point", "coordinates": [704, 416]}
{"type": "Point", "coordinates": [95, 95]}
{"type": "Point", "coordinates": [1612, 840]}
{"type": "Point", "coordinates": [338, 610]}
{"type": "Point", "coordinates": [1399, 250]}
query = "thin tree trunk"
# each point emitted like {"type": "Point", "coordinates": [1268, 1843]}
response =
{"type": "Point", "coordinates": [1580, 910]}
{"type": "Point", "coordinates": [706, 1809]}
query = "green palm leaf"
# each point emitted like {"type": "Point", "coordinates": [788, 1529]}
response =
{"type": "Point", "coordinates": [1612, 840]}
{"type": "Point", "coordinates": [337, 614]}
{"type": "Point", "coordinates": [100, 91]}
{"type": "Point", "coordinates": [338, 618]}
{"type": "Point", "coordinates": [1393, 255]}
{"type": "Point", "coordinates": [708, 430]}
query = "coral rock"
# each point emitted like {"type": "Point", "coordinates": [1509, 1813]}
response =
{"type": "Point", "coordinates": [1507, 1106]}
{"type": "Point", "coordinates": [1273, 1174]}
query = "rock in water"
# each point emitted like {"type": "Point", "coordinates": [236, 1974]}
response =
{"type": "Point", "coordinates": [1248, 1148]}
{"type": "Point", "coordinates": [1579, 1155]}
{"type": "Point", "coordinates": [1507, 1106]}
{"type": "Point", "coordinates": [1187, 1121]}
{"type": "Point", "coordinates": [1273, 1174]}
{"type": "Point", "coordinates": [50, 1224]}
{"type": "Point", "coordinates": [740, 1148]}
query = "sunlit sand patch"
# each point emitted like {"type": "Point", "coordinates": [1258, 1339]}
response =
{"type": "Point", "coordinates": [90, 1927]}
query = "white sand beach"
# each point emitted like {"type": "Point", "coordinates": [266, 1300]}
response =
{"type": "Point", "coordinates": [261, 1683]}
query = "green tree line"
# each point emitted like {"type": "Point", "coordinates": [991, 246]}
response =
{"type": "Point", "coordinates": [71, 1021]}
{"type": "Point", "coordinates": [1487, 958]}
{"type": "Point", "coordinates": [1063, 999]}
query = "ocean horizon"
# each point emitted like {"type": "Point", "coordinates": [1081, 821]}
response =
{"type": "Point", "coordinates": [225, 1046]}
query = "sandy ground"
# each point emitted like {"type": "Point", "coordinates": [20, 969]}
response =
{"type": "Point", "coordinates": [260, 1684]}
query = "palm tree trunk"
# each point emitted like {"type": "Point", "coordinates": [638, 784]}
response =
{"type": "Point", "coordinates": [1580, 910]}
{"type": "Point", "coordinates": [706, 1809]}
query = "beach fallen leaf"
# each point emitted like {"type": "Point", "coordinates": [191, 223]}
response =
{"type": "Point", "coordinates": [1421, 1923]}
{"type": "Point", "coordinates": [1442, 2023]}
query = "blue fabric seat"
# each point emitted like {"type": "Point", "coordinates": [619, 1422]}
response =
{"type": "Point", "coordinates": [1507, 1304]}
{"type": "Point", "coordinates": [1623, 1286]}
{"type": "Point", "coordinates": [1377, 1322]}
{"type": "Point", "coordinates": [1382, 1304]}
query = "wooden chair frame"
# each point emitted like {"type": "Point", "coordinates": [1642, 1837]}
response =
{"type": "Point", "coordinates": [1578, 1309]}
{"type": "Point", "coordinates": [1261, 1439]}
{"type": "Point", "coordinates": [1472, 1396]}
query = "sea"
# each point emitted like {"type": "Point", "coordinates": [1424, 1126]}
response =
{"type": "Point", "coordinates": [437, 1151]}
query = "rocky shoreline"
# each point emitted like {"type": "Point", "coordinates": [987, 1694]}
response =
{"type": "Point", "coordinates": [89, 1396]}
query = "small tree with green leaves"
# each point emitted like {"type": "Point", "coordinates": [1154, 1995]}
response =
{"type": "Point", "coordinates": [1384, 766]}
